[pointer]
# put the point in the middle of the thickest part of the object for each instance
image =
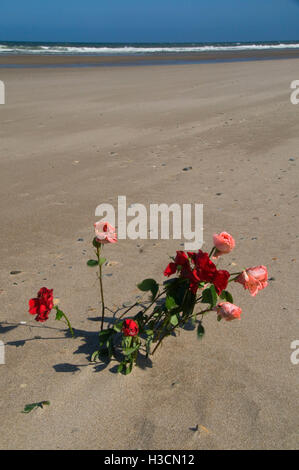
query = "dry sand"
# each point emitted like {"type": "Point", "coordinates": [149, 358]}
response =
{"type": "Point", "coordinates": [74, 138]}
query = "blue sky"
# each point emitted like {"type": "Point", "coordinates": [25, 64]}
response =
{"type": "Point", "coordinates": [149, 20]}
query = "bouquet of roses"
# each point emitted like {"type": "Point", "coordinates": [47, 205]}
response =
{"type": "Point", "coordinates": [193, 288]}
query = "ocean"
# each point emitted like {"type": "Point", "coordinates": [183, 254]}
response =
{"type": "Point", "coordinates": [112, 49]}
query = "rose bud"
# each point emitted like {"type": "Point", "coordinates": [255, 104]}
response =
{"type": "Point", "coordinates": [224, 243]}
{"type": "Point", "coordinates": [254, 279]}
{"type": "Point", "coordinates": [105, 233]}
{"type": "Point", "coordinates": [228, 311]}
{"type": "Point", "coordinates": [130, 328]}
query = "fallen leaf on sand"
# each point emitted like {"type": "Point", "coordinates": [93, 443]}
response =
{"type": "Point", "coordinates": [204, 429]}
{"type": "Point", "coordinates": [31, 406]}
{"type": "Point", "coordinates": [112, 263]}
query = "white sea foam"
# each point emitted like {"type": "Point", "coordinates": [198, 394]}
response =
{"type": "Point", "coordinates": [134, 50]}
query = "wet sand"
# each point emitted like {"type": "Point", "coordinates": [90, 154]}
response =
{"type": "Point", "coordinates": [93, 60]}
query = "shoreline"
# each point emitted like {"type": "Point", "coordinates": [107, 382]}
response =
{"type": "Point", "coordinates": [28, 60]}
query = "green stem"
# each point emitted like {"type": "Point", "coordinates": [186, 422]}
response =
{"type": "Point", "coordinates": [59, 315]}
{"type": "Point", "coordinates": [145, 310]}
{"type": "Point", "coordinates": [234, 274]}
{"type": "Point", "coordinates": [101, 286]}
{"type": "Point", "coordinates": [152, 303]}
{"type": "Point", "coordinates": [69, 325]}
{"type": "Point", "coordinates": [212, 251]}
{"type": "Point", "coordinates": [178, 325]}
{"type": "Point", "coordinates": [128, 310]}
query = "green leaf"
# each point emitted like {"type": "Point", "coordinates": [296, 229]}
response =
{"type": "Point", "coordinates": [170, 303]}
{"type": "Point", "coordinates": [102, 261]}
{"type": "Point", "coordinates": [200, 331]}
{"type": "Point", "coordinates": [105, 342]}
{"type": "Point", "coordinates": [128, 352]}
{"type": "Point", "coordinates": [157, 311]}
{"type": "Point", "coordinates": [127, 341]}
{"type": "Point", "coordinates": [170, 281]}
{"type": "Point", "coordinates": [120, 367]}
{"type": "Point", "coordinates": [209, 296]}
{"type": "Point", "coordinates": [174, 320]}
{"type": "Point", "coordinates": [106, 348]}
{"type": "Point", "coordinates": [31, 406]}
{"type": "Point", "coordinates": [94, 356]}
{"type": "Point", "coordinates": [96, 243]}
{"type": "Point", "coordinates": [129, 368]}
{"type": "Point", "coordinates": [104, 334]}
{"type": "Point", "coordinates": [148, 343]}
{"type": "Point", "coordinates": [118, 326]}
{"type": "Point", "coordinates": [92, 263]}
{"type": "Point", "coordinates": [178, 290]}
{"type": "Point", "coordinates": [125, 367]}
{"type": "Point", "coordinates": [149, 285]}
{"type": "Point", "coordinates": [59, 314]}
{"type": "Point", "coordinates": [225, 295]}
{"type": "Point", "coordinates": [189, 303]}
{"type": "Point", "coordinates": [110, 348]}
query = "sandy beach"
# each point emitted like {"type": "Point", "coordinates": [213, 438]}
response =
{"type": "Point", "coordinates": [73, 138]}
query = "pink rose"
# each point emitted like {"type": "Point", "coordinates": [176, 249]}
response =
{"type": "Point", "coordinates": [105, 233]}
{"type": "Point", "coordinates": [224, 243]}
{"type": "Point", "coordinates": [254, 279]}
{"type": "Point", "coordinates": [228, 311]}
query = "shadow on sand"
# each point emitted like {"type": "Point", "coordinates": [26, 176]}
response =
{"type": "Point", "coordinates": [89, 344]}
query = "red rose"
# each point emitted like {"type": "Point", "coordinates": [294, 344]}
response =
{"type": "Point", "coordinates": [188, 273]}
{"type": "Point", "coordinates": [206, 269]}
{"type": "Point", "coordinates": [130, 328]}
{"type": "Point", "coordinates": [194, 281]}
{"type": "Point", "coordinates": [171, 269]}
{"type": "Point", "coordinates": [181, 259]}
{"type": "Point", "coordinates": [198, 267]}
{"type": "Point", "coordinates": [42, 305]}
{"type": "Point", "coordinates": [220, 280]}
